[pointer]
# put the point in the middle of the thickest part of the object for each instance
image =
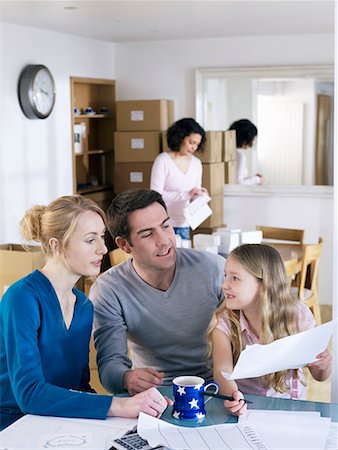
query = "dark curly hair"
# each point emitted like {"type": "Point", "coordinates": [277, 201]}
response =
{"type": "Point", "coordinates": [180, 130]}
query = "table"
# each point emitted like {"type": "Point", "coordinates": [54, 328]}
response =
{"type": "Point", "coordinates": [287, 251]}
{"type": "Point", "coordinates": [216, 414]}
{"type": "Point", "coordinates": [26, 432]}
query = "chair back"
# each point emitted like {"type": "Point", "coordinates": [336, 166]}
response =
{"type": "Point", "coordinates": [291, 269]}
{"type": "Point", "coordinates": [284, 234]}
{"type": "Point", "coordinates": [117, 256]}
{"type": "Point", "coordinates": [308, 277]}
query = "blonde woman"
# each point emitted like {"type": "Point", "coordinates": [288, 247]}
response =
{"type": "Point", "coordinates": [258, 308]}
{"type": "Point", "coordinates": [46, 323]}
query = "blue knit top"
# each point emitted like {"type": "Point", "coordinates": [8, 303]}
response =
{"type": "Point", "coordinates": [44, 365]}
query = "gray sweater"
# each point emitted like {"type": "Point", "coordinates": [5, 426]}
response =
{"type": "Point", "coordinates": [163, 330]}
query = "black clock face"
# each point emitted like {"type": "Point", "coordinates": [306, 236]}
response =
{"type": "Point", "coordinates": [36, 91]}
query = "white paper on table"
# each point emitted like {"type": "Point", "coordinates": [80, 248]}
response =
{"type": "Point", "coordinates": [289, 429]}
{"type": "Point", "coordinates": [332, 438]}
{"type": "Point", "coordinates": [225, 436]}
{"type": "Point", "coordinates": [31, 430]}
{"type": "Point", "coordinates": [291, 352]}
{"type": "Point", "coordinates": [68, 440]}
{"type": "Point", "coordinates": [198, 211]}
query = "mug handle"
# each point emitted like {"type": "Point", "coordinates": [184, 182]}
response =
{"type": "Point", "coordinates": [215, 392]}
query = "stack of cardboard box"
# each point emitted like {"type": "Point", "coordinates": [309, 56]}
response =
{"type": "Point", "coordinates": [213, 177]}
{"type": "Point", "coordinates": [139, 125]}
{"type": "Point", "coordinates": [229, 157]}
{"type": "Point", "coordinates": [17, 262]}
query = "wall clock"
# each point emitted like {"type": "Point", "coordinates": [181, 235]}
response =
{"type": "Point", "coordinates": [36, 91]}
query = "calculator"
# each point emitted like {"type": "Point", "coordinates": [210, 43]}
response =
{"type": "Point", "coordinates": [131, 441]}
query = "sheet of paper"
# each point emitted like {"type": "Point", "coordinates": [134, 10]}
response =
{"type": "Point", "coordinates": [69, 440]}
{"type": "Point", "coordinates": [225, 436]}
{"type": "Point", "coordinates": [33, 432]}
{"type": "Point", "coordinates": [289, 429]}
{"type": "Point", "coordinates": [198, 211]}
{"type": "Point", "coordinates": [332, 438]}
{"type": "Point", "coordinates": [291, 352]}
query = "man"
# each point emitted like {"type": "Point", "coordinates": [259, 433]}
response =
{"type": "Point", "coordinates": [158, 303]}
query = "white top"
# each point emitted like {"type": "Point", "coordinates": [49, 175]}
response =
{"type": "Point", "coordinates": [242, 169]}
{"type": "Point", "coordinates": [174, 185]}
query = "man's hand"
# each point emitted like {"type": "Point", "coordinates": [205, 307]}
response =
{"type": "Point", "coordinates": [138, 380]}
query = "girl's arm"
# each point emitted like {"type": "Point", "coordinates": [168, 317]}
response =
{"type": "Point", "coordinates": [321, 369]}
{"type": "Point", "coordinates": [222, 361]}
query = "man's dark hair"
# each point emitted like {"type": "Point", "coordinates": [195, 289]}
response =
{"type": "Point", "coordinates": [246, 132]}
{"type": "Point", "coordinates": [180, 130]}
{"type": "Point", "coordinates": [125, 203]}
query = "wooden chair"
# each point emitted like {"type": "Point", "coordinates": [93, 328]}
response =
{"type": "Point", "coordinates": [117, 256]}
{"type": "Point", "coordinates": [291, 267]}
{"type": "Point", "coordinates": [307, 289]}
{"type": "Point", "coordinates": [284, 234]}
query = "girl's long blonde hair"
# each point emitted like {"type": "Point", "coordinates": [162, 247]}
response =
{"type": "Point", "coordinates": [57, 220]}
{"type": "Point", "coordinates": [279, 318]}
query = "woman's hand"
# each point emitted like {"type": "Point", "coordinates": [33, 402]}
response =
{"type": "Point", "coordinates": [237, 407]}
{"type": "Point", "coordinates": [151, 402]}
{"type": "Point", "coordinates": [196, 192]}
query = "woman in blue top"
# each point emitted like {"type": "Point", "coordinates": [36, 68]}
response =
{"type": "Point", "coordinates": [46, 323]}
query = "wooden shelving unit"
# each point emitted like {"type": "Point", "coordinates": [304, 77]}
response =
{"type": "Point", "coordinates": [93, 154]}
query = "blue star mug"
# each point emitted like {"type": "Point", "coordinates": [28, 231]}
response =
{"type": "Point", "coordinates": [189, 397]}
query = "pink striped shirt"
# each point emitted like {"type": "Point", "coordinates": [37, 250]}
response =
{"type": "Point", "coordinates": [296, 389]}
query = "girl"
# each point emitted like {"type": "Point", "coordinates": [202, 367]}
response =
{"type": "Point", "coordinates": [258, 308]}
{"type": "Point", "coordinates": [46, 323]}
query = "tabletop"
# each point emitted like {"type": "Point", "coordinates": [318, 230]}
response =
{"type": "Point", "coordinates": [288, 251]}
{"type": "Point", "coordinates": [216, 414]}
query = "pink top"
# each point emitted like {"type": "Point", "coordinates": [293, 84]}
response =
{"type": "Point", "coordinates": [174, 185]}
{"type": "Point", "coordinates": [253, 385]}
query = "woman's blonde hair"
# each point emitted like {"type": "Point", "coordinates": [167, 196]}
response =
{"type": "Point", "coordinates": [279, 317]}
{"type": "Point", "coordinates": [56, 220]}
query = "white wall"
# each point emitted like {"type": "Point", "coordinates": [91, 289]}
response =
{"type": "Point", "coordinates": [36, 158]}
{"type": "Point", "coordinates": [36, 155]}
{"type": "Point", "coordinates": [171, 65]}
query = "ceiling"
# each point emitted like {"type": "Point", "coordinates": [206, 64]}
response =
{"type": "Point", "coordinates": [136, 21]}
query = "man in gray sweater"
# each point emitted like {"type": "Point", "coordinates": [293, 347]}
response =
{"type": "Point", "coordinates": [157, 304]}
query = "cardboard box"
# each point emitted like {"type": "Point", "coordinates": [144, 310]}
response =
{"type": "Point", "coordinates": [137, 146]}
{"type": "Point", "coordinates": [212, 152]}
{"type": "Point", "coordinates": [213, 178]}
{"type": "Point", "coordinates": [16, 262]}
{"type": "Point", "coordinates": [205, 230]}
{"type": "Point", "coordinates": [206, 240]}
{"type": "Point", "coordinates": [165, 147]}
{"type": "Point", "coordinates": [217, 217]}
{"type": "Point", "coordinates": [132, 175]}
{"type": "Point", "coordinates": [230, 172]}
{"type": "Point", "coordinates": [144, 115]}
{"type": "Point", "coordinates": [229, 145]}
{"type": "Point", "coordinates": [251, 237]}
{"type": "Point", "coordinates": [230, 239]}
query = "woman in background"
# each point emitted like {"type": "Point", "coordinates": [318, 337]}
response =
{"type": "Point", "coordinates": [177, 174]}
{"type": "Point", "coordinates": [46, 323]}
{"type": "Point", "coordinates": [246, 133]}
